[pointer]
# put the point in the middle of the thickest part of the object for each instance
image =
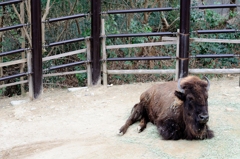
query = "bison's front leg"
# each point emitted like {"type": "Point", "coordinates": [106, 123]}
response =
{"type": "Point", "coordinates": [136, 115]}
{"type": "Point", "coordinates": [209, 134]}
{"type": "Point", "coordinates": [169, 129]}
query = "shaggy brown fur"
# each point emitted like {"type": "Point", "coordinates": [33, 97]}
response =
{"type": "Point", "coordinates": [177, 115]}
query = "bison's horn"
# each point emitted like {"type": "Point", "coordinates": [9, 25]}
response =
{"type": "Point", "coordinates": [208, 86]}
{"type": "Point", "coordinates": [179, 86]}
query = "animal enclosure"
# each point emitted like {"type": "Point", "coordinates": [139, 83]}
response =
{"type": "Point", "coordinates": [94, 48]}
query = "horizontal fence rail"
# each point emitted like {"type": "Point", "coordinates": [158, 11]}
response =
{"type": "Point", "coordinates": [173, 71]}
{"type": "Point", "coordinates": [12, 27]}
{"type": "Point", "coordinates": [67, 65]}
{"type": "Point", "coordinates": [228, 41]}
{"type": "Point", "coordinates": [142, 58]}
{"type": "Point", "coordinates": [142, 71]}
{"type": "Point", "coordinates": [216, 56]}
{"type": "Point", "coordinates": [14, 76]}
{"type": "Point", "coordinates": [65, 42]}
{"type": "Point", "coordinates": [12, 52]}
{"type": "Point", "coordinates": [140, 34]}
{"type": "Point", "coordinates": [14, 83]}
{"type": "Point", "coordinates": [10, 2]}
{"type": "Point", "coordinates": [216, 6]}
{"type": "Point", "coordinates": [66, 18]}
{"type": "Point", "coordinates": [64, 54]}
{"type": "Point", "coordinates": [13, 62]}
{"type": "Point", "coordinates": [216, 31]}
{"type": "Point", "coordinates": [170, 57]}
{"type": "Point", "coordinates": [214, 71]}
{"type": "Point", "coordinates": [141, 10]}
{"type": "Point", "coordinates": [140, 45]}
{"type": "Point", "coordinates": [64, 73]}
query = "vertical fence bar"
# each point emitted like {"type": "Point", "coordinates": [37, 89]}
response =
{"type": "Point", "coordinates": [232, 10]}
{"type": "Point", "coordinates": [22, 66]}
{"type": "Point", "coordinates": [89, 72]}
{"type": "Point", "coordinates": [30, 78]}
{"type": "Point", "coordinates": [95, 43]}
{"type": "Point", "coordinates": [1, 40]}
{"type": "Point", "coordinates": [184, 38]}
{"type": "Point", "coordinates": [36, 47]}
{"type": "Point", "coordinates": [177, 55]}
{"type": "Point", "coordinates": [104, 54]}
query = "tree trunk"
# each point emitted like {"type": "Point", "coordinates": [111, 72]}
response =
{"type": "Point", "coordinates": [232, 10]}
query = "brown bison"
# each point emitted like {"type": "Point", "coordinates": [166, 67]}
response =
{"type": "Point", "coordinates": [178, 109]}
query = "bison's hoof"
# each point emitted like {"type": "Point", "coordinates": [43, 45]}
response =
{"type": "Point", "coordinates": [139, 129]}
{"type": "Point", "coordinates": [120, 133]}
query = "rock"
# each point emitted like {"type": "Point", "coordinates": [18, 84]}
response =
{"type": "Point", "coordinates": [18, 102]}
{"type": "Point", "coordinates": [229, 109]}
{"type": "Point", "coordinates": [33, 108]}
{"type": "Point", "coordinates": [76, 89]}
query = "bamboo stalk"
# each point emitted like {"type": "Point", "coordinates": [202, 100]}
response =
{"type": "Point", "coordinates": [104, 54]}
{"type": "Point", "coordinates": [89, 69]}
{"type": "Point", "coordinates": [22, 22]}
{"type": "Point", "coordinates": [172, 71]}
{"type": "Point", "coordinates": [44, 59]}
{"type": "Point", "coordinates": [64, 73]}
{"type": "Point", "coordinates": [64, 54]}
{"type": "Point", "coordinates": [167, 71]}
{"type": "Point", "coordinates": [13, 62]}
{"type": "Point", "coordinates": [214, 71]}
{"type": "Point", "coordinates": [43, 19]}
{"type": "Point", "coordinates": [30, 78]}
{"type": "Point", "coordinates": [22, 66]}
{"type": "Point", "coordinates": [206, 40]}
{"type": "Point", "coordinates": [214, 40]}
{"type": "Point", "coordinates": [12, 84]}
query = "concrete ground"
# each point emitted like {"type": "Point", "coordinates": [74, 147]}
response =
{"type": "Point", "coordinates": [83, 125]}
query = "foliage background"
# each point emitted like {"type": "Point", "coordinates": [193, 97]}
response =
{"type": "Point", "coordinates": [121, 23]}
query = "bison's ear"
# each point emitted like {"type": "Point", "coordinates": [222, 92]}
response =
{"type": "Point", "coordinates": [180, 95]}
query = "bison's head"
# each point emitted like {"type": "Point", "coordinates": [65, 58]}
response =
{"type": "Point", "coordinates": [194, 94]}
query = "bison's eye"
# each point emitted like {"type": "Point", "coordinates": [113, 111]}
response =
{"type": "Point", "coordinates": [190, 106]}
{"type": "Point", "coordinates": [198, 111]}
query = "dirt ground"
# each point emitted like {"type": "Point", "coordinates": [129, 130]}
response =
{"type": "Point", "coordinates": [84, 125]}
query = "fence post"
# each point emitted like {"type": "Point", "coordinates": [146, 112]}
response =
{"type": "Point", "coordinates": [95, 43]}
{"type": "Point", "coordinates": [22, 66]}
{"type": "Point", "coordinates": [30, 78]}
{"type": "Point", "coordinates": [184, 38]}
{"type": "Point", "coordinates": [36, 28]}
{"type": "Point", "coordinates": [104, 54]}
{"type": "Point", "coordinates": [1, 39]}
{"type": "Point", "coordinates": [89, 72]}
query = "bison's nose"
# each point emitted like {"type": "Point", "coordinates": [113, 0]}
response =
{"type": "Point", "coordinates": [203, 118]}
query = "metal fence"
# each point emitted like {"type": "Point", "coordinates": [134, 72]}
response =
{"type": "Point", "coordinates": [98, 39]}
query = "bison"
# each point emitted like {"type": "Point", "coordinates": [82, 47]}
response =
{"type": "Point", "coordinates": [179, 109]}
